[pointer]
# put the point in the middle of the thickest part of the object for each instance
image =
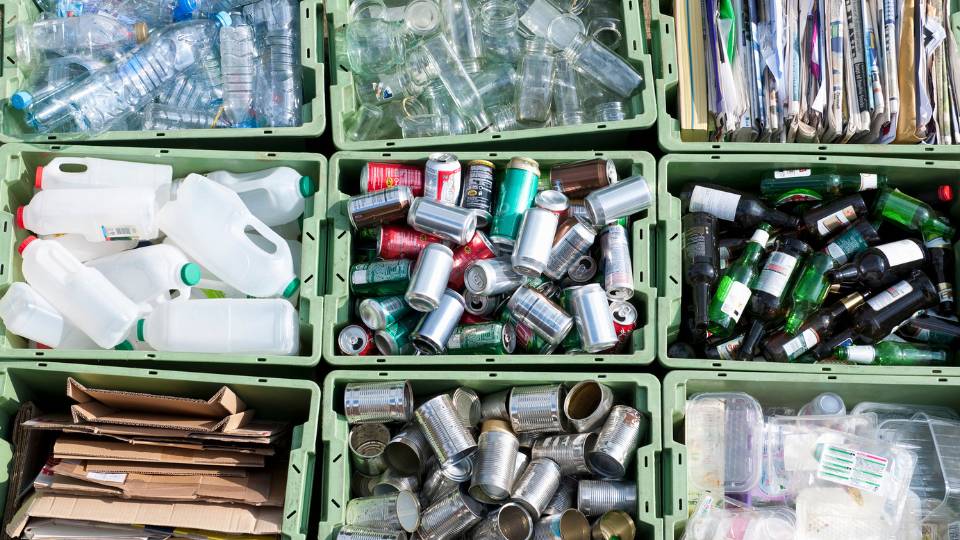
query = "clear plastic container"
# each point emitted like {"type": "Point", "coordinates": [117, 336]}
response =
{"type": "Point", "coordinates": [724, 437]}
{"type": "Point", "coordinates": [890, 411]}
{"type": "Point", "coordinates": [728, 519]}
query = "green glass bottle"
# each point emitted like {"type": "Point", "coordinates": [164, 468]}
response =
{"type": "Point", "coordinates": [733, 292]}
{"type": "Point", "coordinates": [897, 207]}
{"type": "Point", "coordinates": [823, 185]}
{"type": "Point", "coordinates": [892, 353]}
{"type": "Point", "coordinates": [809, 292]}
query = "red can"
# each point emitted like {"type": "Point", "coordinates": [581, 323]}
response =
{"type": "Point", "coordinates": [624, 322]}
{"type": "Point", "coordinates": [400, 242]}
{"type": "Point", "coordinates": [356, 340]}
{"type": "Point", "coordinates": [379, 176]}
{"type": "Point", "coordinates": [479, 247]}
{"type": "Point", "coordinates": [470, 318]}
{"type": "Point", "coordinates": [442, 182]}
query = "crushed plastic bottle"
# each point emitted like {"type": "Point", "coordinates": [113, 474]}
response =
{"type": "Point", "coordinates": [89, 36]}
{"type": "Point", "coordinates": [238, 67]}
{"type": "Point", "coordinates": [158, 117]}
{"type": "Point", "coordinates": [57, 73]}
{"type": "Point", "coordinates": [278, 21]}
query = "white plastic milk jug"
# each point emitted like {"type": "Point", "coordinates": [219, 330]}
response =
{"type": "Point", "coordinates": [276, 196]}
{"type": "Point", "coordinates": [27, 314]}
{"type": "Point", "coordinates": [86, 250]}
{"type": "Point", "coordinates": [150, 275]}
{"type": "Point", "coordinates": [87, 172]}
{"type": "Point", "coordinates": [99, 214]}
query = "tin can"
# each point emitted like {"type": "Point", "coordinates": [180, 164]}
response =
{"type": "Point", "coordinates": [378, 402]}
{"type": "Point", "coordinates": [582, 177]}
{"type": "Point", "coordinates": [399, 242]}
{"type": "Point", "coordinates": [617, 265]}
{"type": "Point", "coordinates": [380, 176]}
{"type": "Point", "coordinates": [587, 405]}
{"type": "Point", "coordinates": [570, 524]}
{"type": "Point", "coordinates": [496, 460]}
{"type": "Point", "coordinates": [442, 178]}
{"type": "Point", "coordinates": [436, 485]}
{"type": "Point", "coordinates": [508, 522]}
{"type": "Point", "coordinates": [478, 190]}
{"type": "Point", "coordinates": [569, 245]}
{"type": "Point", "coordinates": [467, 402]}
{"type": "Point", "coordinates": [448, 436]}
{"type": "Point", "coordinates": [617, 442]}
{"type": "Point", "coordinates": [577, 209]}
{"type": "Point", "coordinates": [544, 286]}
{"type": "Point", "coordinates": [478, 248]}
{"type": "Point", "coordinates": [366, 444]}
{"type": "Point", "coordinates": [380, 278]}
{"type": "Point", "coordinates": [553, 201]}
{"type": "Point", "coordinates": [443, 220]}
{"type": "Point", "coordinates": [379, 207]}
{"type": "Point", "coordinates": [537, 409]}
{"type": "Point", "coordinates": [490, 277]}
{"type": "Point", "coordinates": [536, 486]}
{"type": "Point", "coordinates": [436, 327]}
{"type": "Point", "coordinates": [597, 497]}
{"type": "Point", "coordinates": [591, 311]}
{"type": "Point", "coordinates": [461, 470]}
{"type": "Point", "coordinates": [408, 450]}
{"type": "Point", "coordinates": [564, 498]}
{"type": "Point", "coordinates": [394, 511]}
{"type": "Point", "coordinates": [535, 310]}
{"type": "Point", "coordinates": [515, 196]}
{"type": "Point", "coordinates": [583, 269]}
{"type": "Point", "coordinates": [531, 252]}
{"type": "Point", "coordinates": [450, 516]}
{"type": "Point", "coordinates": [482, 306]}
{"type": "Point", "coordinates": [614, 525]}
{"type": "Point", "coordinates": [494, 406]}
{"type": "Point", "coordinates": [568, 451]}
{"type": "Point", "coordinates": [625, 198]}
{"type": "Point", "coordinates": [391, 481]}
{"type": "Point", "coordinates": [382, 311]}
{"type": "Point", "coordinates": [624, 321]}
{"type": "Point", "coordinates": [429, 278]}
{"type": "Point", "coordinates": [484, 338]}
{"type": "Point", "coordinates": [355, 340]}
{"type": "Point", "coordinates": [394, 340]}
{"type": "Point", "coordinates": [351, 532]}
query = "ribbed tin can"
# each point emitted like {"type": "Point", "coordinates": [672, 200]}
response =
{"type": "Point", "coordinates": [570, 524]}
{"type": "Point", "coordinates": [377, 402]}
{"type": "Point", "coordinates": [450, 516]}
{"type": "Point", "coordinates": [459, 471]}
{"type": "Point", "coordinates": [440, 423]}
{"type": "Point", "coordinates": [392, 481]}
{"type": "Point", "coordinates": [408, 450]}
{"type": "Point", "coordinates": [360, 484]}
{"type": "Point", "coordinates": [529, 438]}
{"type": "Point", "coordinates": [587, 405]}
{"type": "Point", "coordinates": [437, 485]}
{"type": "Point", "coordinates": [617, 442]}
{"type": "Point", "coordinates": [351, 532]}
{"type": "Point", "coordinates": [367, 443]}
{"type": "Point", "coordinates": [564, 498]}
{"type": "Point", "coordinates": [615, 524]}
{"type": "Point", "coordinates": [467, 403]}
{"type": "Point", "coordinates": [496, 460]}
{"type": "Point", "coordinates": [494, 406]}
{"type": "Point", "coordinates": [395, 511]}
{"type": "Point", "coordinates": [569, 451]}
{"type": "Point", "coordinates": [596, 497]}
{"type": "Point", "coordinates": [537, 408]}
{"type": "Point", "coordinates": [508, 522]}
{"type": "Point", "coordinates": [536, 486]}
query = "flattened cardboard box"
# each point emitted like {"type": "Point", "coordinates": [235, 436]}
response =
{"type": "Point", "coordinates": [71, 448]}
{"type": "Point", "coordinates": [255, 432]}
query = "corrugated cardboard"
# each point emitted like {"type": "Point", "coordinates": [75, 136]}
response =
{"type": "Point", "coordinates": [222, 412]}
{"type": "Point", "coordinates": [255, 432]}
{"type": "Point", "coordinates": [167, 469]}
{"type": "Point", "coordinates": [101, 450]}
{"type": "Point", "coordinates": [234, 519]}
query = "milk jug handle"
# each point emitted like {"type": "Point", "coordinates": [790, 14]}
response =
{"type": "Point", "coordinates": [267, 233]}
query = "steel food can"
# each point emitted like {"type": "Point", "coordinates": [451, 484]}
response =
{"type": "Point", "coordinates": [436, 327]}
{"type": "Point", "coordinates": [582, 177]}
{"type": "Point", "coordinates": [366, 444]}
{"type": "Point", "coordinates": [614, 525]}
{"type": "Point", "coordinates": [379, 207]}
{"type": "Point", "coordinates": [508, 522]}
{"type": "Point", "coordinates": [597, 497]}
{"type": "Point", "coordinates": [591, 311]}
{"type": "Point", "coordinates": [494, 406]}
{"type": "Point", "coordinates": [408, 450]}
{"type": "Point", "coordinates": [380, 278]}
{"type": "Point", "coordinates": [617, 442]}
{"type": "Point", "coordinates": [429, 278]}
{"type": "Point", "coordinates": [515, 196]}
{"type": "Point", "coordinates": [496, 461]}
{"type": "Point", "coordinates": [451, 516]}
{"type": "Point", "coordinates": [436, 484]}
{"type": "Point", "coordinates": [443, 220]}
{"type": "Point", "coordinates": [624, 321]}
{"type": "Point", "coordinates": [351, 532]}
{"type": "Point", "coordinates": [531, 252]}
{"type": "Point", "coordinates": [537, 409]}
{"type": "Point", "coordinates": [617, 265]}
{"type": "Point", "coordinates": [587, 405]}
{"type": "Point", "coordinates": [442, 178]}
{"type": "Point", "coordinates": [492, 276]}
{"type": "Point", "coordinates": [394, 511]}
{"type": "Point", "coordinates": [380, 176]}
{"type": "Point", "coordinates": [467, 403]}
{"type": "Point", "coordinates": [568, 451]}
{"type": "Point", "coordinates": [570, 524]}
{"type": "Point", "coordinates": [572, 241]}
{"type": "Point", "coordinates": [355, 340]}
{"type": "Point", "coordinates": [478, 248]}
{"type": "Point", "coordinates": [378, 402]}
{"type": "Point", "coordinates": [478, 190]}
{"type": "Point", "coordinates": [395, 338]}
{"type": "Point", "coordinates": [544, 317]}
{"type": "Point", "coordinates": [564, 498]}
{"type": "Point", "coordinates": [583, 269]}
{"type": "Point", "coordinates": [553, 201]}
{"type": "Point", "coordinates": [382, 311]}
{"type": "Point", "coordinates": [391, 481]}
{"type": "Point", "coordinates": [481, 306]}
{"type": "Point", "coordinates": [615, 201]}
{"type": "Point", "coordinates": [399, 242]}
{"type": "Point", "coordinates": [483, 338]}
{"type": "Point", "coordinates": [440, 424]}
{"type": "Point", "coordinates": [536, 486]}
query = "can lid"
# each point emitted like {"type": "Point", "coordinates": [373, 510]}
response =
{"type": "Point", "coordinates": [21, 99]}
{"type": "Point", "coordinates": [509, 338]}
{"type": "Point", "coordinates": [306, 186]}
{"type": "Point", "coordinates": [612, 176]}
{"type": "Point", "coordinates": [19, 218]}
{"type": "Point", "coordinates": [190, 274]}
{"type": "Point", "coordinates": [26, 242]}
{"type": "Point", "coordinates": [481, 162]}
{"type": "Point", "coordinates": [291, 288]}
{"type": "Point", "coordinates": [443, 157]}
{"type": "Point", "coordinates": [140, 329]}
{"type": "Point", "coordinates": [38, 177]}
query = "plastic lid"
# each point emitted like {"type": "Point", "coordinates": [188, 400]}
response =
{"type": "Point", "coordinates": [223, 19]}
{"type": "Point", "coordinates": [38, 177]}
{"type": "Point", "coordinates": [124, 346]}
{"type": "Point", "coordinates": [26, 242]}
{"type": "Point", "coordinates": [19, 219]}
{"type": "Point", "coordinates": [306, 186]}
{"type": "Point", "coordinates": [21, 99]}
{"type": "Point", "coordinates": [140, 329]}
{"type": "Point", "coordinates": [291, 288]}
{"type": "Point", "coordinates": [945, 193]}
{"type": "Point", "coordinates": [190, 274]}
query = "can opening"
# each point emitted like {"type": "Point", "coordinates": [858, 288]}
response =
{"type": "Point", "coordinates": [369, 440]}
{"type": "Point", "coordinates": [574, 526]}
{"type": "Point", "coordinates": [403, 457]}
{"type": "Point", "coordinates": [615, 524]}
{"type": "Point", "coordinates": [583, 400]}
{"type": "Point", "coordinates": [408, 511]}
{"type": "Point", "coordinates": [514, 522]}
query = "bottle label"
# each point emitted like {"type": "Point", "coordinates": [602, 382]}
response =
{"type": "Point", "coordinates": [726, 350]}
{"type": "Point", "coordinates": [861, 354]}
{"type": "Point", "coordinates": [836, 220]}
{"type": "Point", "coordinates": [776, 273]}
{"type": "Point", "coordinates": [850, 467]}
{"type": "Point", "coordinates": [801, 343]}
{"type": "Point", "coordinates": [761, 237]}
{"type": "Point", "coordinates": [721, 204]}
{"type": "Point", "coordinates": [695, 242]}
{"type": "Point", "coordinates": [889, 296]}
{"type": "Point", "coordinates": [736, 301]}
{"type": "Point", "coordinates": [846, 245]}
{"type": "Point", "coordinates": [901, 252]}
{"type": "Point", "coordinates": [946, 292]}
{"type": "Point", "coordinates": [791, 173]}
{"type": "Point", "coordinates": [868, 181]}
{"type": "Point", "coordinates": [363, 274]}
{"type": "Point", "coordinates": [127, 232]}
{"type": "Point", "coordinates": [938, 242]}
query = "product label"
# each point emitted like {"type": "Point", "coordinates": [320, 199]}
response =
{"type": "Point", "coordinates": [478, 190]}
{"type": "Point", "coordinates": [852, 468]}
{"type": "Point", "coordinates": [791, 173]}
{"type": "Point", "coordinates": [901, 252]}
{"type": "Point", "coordinates": [889, 296]}
{"type": "Point", "coordinates": [761, 237]}
{"type": "Point", "coordinates": [442, 182]}
{"type": "Point", "coordinates": [801, 343]}
{"type": "Point", "coordinates": [107, 477]}
{"type": "Point", "coordinates": [380, 272]}
{"type": "Point", "coordinates": [126, 232]}
{"type": "Point", "coordinates": [776, 273]}
{"type": "Point", "coordinates": [736, 301]}
{"type": "Point", "coordinates": [868, 181]}
{"type": "Point", "coordinates": [721, 204]}
{"type": "Point", "coordinates": [836, 220]}
{"type": "Point", "coordinates": [382, 176]}
{"type": "Point", "coordinates": [945, 290]}
{"type": "Point", "coordinates": [695, 242]}
{"type": "Point", "coordinates": [861, 354]}
{"type": "Point", "coordinates": [726, 350]}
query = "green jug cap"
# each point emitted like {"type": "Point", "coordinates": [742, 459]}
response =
{"type": "Point", "coordinates": [291, 288]}
{"type": "Point", "coordinates": [190, 274]}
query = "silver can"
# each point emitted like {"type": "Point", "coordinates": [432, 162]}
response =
{"type": "Point", "coordinates": [494, 406]}
{"type": "Point", "coordinates": [442, 220]}
{"type": "Point", "coordinates": [360, 484]}
{"type": "Point", "coordinates": [597, 497]}
{"type": "Point", "coordinates": [531, 252]}
{"type": "Point", "coordinates": [570, 524]}
{"type": "Point", "coordinates": [508, 522]}
{"type": "Point", "coordinates": [437, 485]}
{"type": "Point", "coordinates": [488, 277]}
{"type": "Point", "coordinates": [537, 409]}
{"type": "Point", "coordinates": [529, 438]}
{"type": "Point", "coordinates": [617, 265]}
{"type": "Point", "coordinates": [351, 532]}
{"type": "Point", "coordinates": [536, 486]}
{"type": "Point", "coordinates": [395, 511]}
{"type": "Point", "coordinates": [553, 201]}
{"type": "Point", "coordinates": [392, 481]}
{"type": "Point", "coordinates": [615, 201]}
{"type": "Point", "coordinates": [481, 306]}
{"type": "Point", "coordinates": [355, 340]}
{"type": "Point", "coordinates": [583, 269]}
{"type": "Point", "coordinates": [569, 451]}
{"type": "Point", "coordinates": [450, 516]}
{"type": "Point", "coordinates": [366, 444]}
{"type": "Point", "coordinates": [408, 450]}
{"type": "Point", "coordinates": [459, 471]}
{"type": "Point", "coordinates": [591, 311]}
{"type": "Point", "coordinates": [614, 525]}
{"type": "Point", "coordinates": [541, 315]}
{"type": "Point", "coordinates": [436, 327]}
{"type": "Point", "coordinates": [441, 179]}
{"type": "Point", "coordinates": [429, 278]}
{"type": "Point", "coordinates": [440, 424]}
{"type": "Point", "coordinates": [617, 442]}
{"type": "Point", "coordinates": [395, 338]}
{"type": "Point", "coordinates": [568, 247]}
{"type": "Point", "coordinates": [496, 460]}
{"type": "Point", "coordinates": [467, 403]}
{"type": "Point", "coordinates": [379, 207]}
{"type": "Point", "coordinates": [564, 498]}
{"type": "Point", "coordinates": [587, 405]}
{"type": "Point", "coordinates": [378, 402]}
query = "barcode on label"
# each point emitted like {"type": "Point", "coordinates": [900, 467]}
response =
{"type": "Point", "coordinates": [791, 173]}
{"type": "Point", "coordinates": [120, 233]}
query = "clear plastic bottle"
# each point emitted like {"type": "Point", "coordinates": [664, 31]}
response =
{"type": "Point", "coordinates": [444, 63]}
{"type": "Point", "coordinates": [56, 73]}
{"type": "Point", "coordinates": [239, 69]}
{"type": "Point", "coordinates": [27, 314]}
{"type": "Point", "coordinates": [499, 22]}
{"type": "Point", "coordinates": [158, 117]}
{"type": "Point", "coordinates": [497, 84]}
{"type": "Point", "coordinates": [155, 13]}
{"type": "Point", "coordinates": [280, 105]}
{"type": "Point", "coordinates": [91, 36]}
{"type": "Point", "coordinates": [535, 90]}
{"type": "Point", "coordinates": [567, 110]}
{"type": "Point", "coordinates": [185, 92]}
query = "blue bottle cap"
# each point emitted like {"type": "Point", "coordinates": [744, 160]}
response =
{"type": "Point", "coordinates": [184, 10]}
{"type": "Point", "coordinates": [21, 99]}
{"type": "Point", "coordinates": [223, 19]}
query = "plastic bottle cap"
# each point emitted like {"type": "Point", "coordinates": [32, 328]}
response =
{"type": "Point", "coordinates": [223, 19]}
{"type": "Point", "coordinates": [26, 242]}
{"type": "Point", "coordinates": [190, 274]}
{"type": "Point", "coordinates": [38, 177]}
{"type": "Point", "coordinates": [306, 186]}
{"type": "Point", "coordinates": [19, 219]}
{"type": "Point", "coordinates": [140, 329]}
{"type": "Point", "coordinates": [124, 346]}
{"type": "Point", "coordinates": [141, 31]}
{"type": "Point", "coordinates": [291, 288]}
{"type": "Point", "coordinates": [945, 193]}
{"type": "Point", "coordinates": [21, 99]}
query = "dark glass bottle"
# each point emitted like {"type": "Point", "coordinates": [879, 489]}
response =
{"type": "Point", "coordinates": [931, 330]}
{"type": "Point", "coordinates": [824, 349]}
{"type": "Point", "coordinates": [701, 264]}
{"type": "Point", "coordinates": [784, 347]}
{"type": "Point", "coordinates": [724, 350]}
{"type": "Point", "coordinates": [823, 220]}
{"type": "Point", "coordinates": [853, 240]}
{"type": "Point", "coordinates": [887, 309]}
{"type": "Point", "coordinates": [781, 182]}
{"type": "Point", "coordinates": [744, 210]}
{"type": "Point", "coordinates": [940, 255]}
{"type": "Point", "coordinates": [940, 198]}
{"type": "Point", "coordinates": [876, 265]}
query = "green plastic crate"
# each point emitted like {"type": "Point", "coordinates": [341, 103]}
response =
{"type": "Point", "coordinates": [634, 47]}
{"type": "Point", "coordinates": [744, 172]}
{"type": "Point", "coordinates": [663, 50]}
{"type": "Point", "coordinates": [642, 391]}
{"type": "Point", "coordinates": [772, 390]}
{"type": "Point", "coordinates": [18, 163]}
{"type": "Point", "coordinates": [344, 181]}
{"type": "Point", "coordinates": [296, 401]}
{"type": "Point", "coordinates": [14, 129]}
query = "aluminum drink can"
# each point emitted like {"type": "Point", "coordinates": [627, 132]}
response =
{"type": "Point", "coordinates": [583, 269]}
{"type": "Point", "coordinates": [443, 220]}
{"type": "Point", "coordinates": [377, 176]}
{"type": "Point", "coordinates": [379, 207]}
{"type": "Point", "coordinates": [429, 278]}
{"type": "Point", "coordinates": [531, 252]}
{"type": "Point", "coordinates": [479, 247]}
{"type": "Point", "coordinates": [577, 209]}
{"type": "Point", "coordinates": [625, 198]}
{"type": "Point", "coordinates": [582, 177]}
{"type": "Point", "coordinates": [484, 338]}
{"type": "Point", "coordinates": [395, 338]}
{"type": "Point", "coordinates": [442, 178]}
{"type": "Point", "coordinates": [492, 276]}
{"type": "Point", "coordinates": [553, 201]}
{"type": "Point", "coordinates": [380, 278]}
{"type": "Point", "coordinates": [483, 306]}
{"type": "Point", "coordinates": [516, 194]}
{"type": "Point", "coordinates": [569, 246]}
{"type": "Point", "coordinates": [478, 190]}
{"type": "Point", "coordinates": [624, 321]}
{"type": "Point", "coordinates": [435, 328]}
{"type": "Point", "coordinates": [399, 242]}
{"type": "Point", "coordinates": [380, 312]}
{"type": "Point", "coordinates": [591, 311]}
{"type": "Point", "coordinates": [617, 266]}
{"type": "Point", "coordinates": [355, 340]}
{"type": "Point", "coordinates": [540, 314]}
{"type": "Point", "coordinates": [470, 318]}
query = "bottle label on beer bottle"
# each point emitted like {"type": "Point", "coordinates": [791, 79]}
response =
{"type": "Point", "coordinates": [695, 242]}
{"type": "Point", "coordinates": [776, 273]}
{"type": "Point", "coordinates": [945, 290]}
{"type": "Point", "coordinates": [868, 181]}
{"type": "Point", "coordinates": [901, 252]}
{"type": "Point", "coordinates": [761, 237]}
{"type": "Point", "coordinates": [801, 343]}
{"type": "Point", "coordinates": [889, 296]}
{"type": "Point", "coordinates": [726, 350]}
{"type": "Point", "coordinates": [721, 204]}
{"type": "Point", "coordinates": [836, 220]}
{"type": "Point", "coordinates": [737, 297]}
{"type": "Point", "coordinates": [861, 354]}
{"type": "Point", "coordinates": [845, 246]}
{"type": "Point", "coordinates": [791, 173]}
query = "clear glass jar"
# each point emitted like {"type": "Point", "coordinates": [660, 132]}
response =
{"type": "Point", "coordinates": [567, 110]}
{"type": "Point", "coordinates": [374, 46]}
{"type": "Point", "coordinates": [364, 123]}
{"type": "Point", "coordinates": [458, 25]}
{"type": "Point", "coordinates": [499, 22]}
{"type": "Point", "coordinates": [535, 90]}
{"type": "Point", "coordinates": [443, 63]}
{"type": "Point", "coordinates": [497, 84]}
{"type": "Point", "coordinates": [438, 101]}
{"type": "Point", "coordinates": [604, 66]}
{"type": "Point", "coordinates": [424, 125]}
{"type": "Point", "coordinates": [503, 118]}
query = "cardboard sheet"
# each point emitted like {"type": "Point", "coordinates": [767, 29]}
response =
{"type": "Point", "coordinates": [104, 450]}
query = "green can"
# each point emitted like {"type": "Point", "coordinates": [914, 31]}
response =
{"type": "Point", "coordinates": [382, 311]}
{"type": "Point", "coordinates": [381, 278]}
{"type": "Point", "coordinates": [483, 338]}
{"type": "Point", "coordinates": [517, 191]}
{"type": "Point", "coordinates": [364, 254]}
{"type": "Point", "coordinates": [526, 339]}
{"type": "Point", "coordinates": [395, 338]}
{"type": "Point", "coordinates": [571, 343]}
